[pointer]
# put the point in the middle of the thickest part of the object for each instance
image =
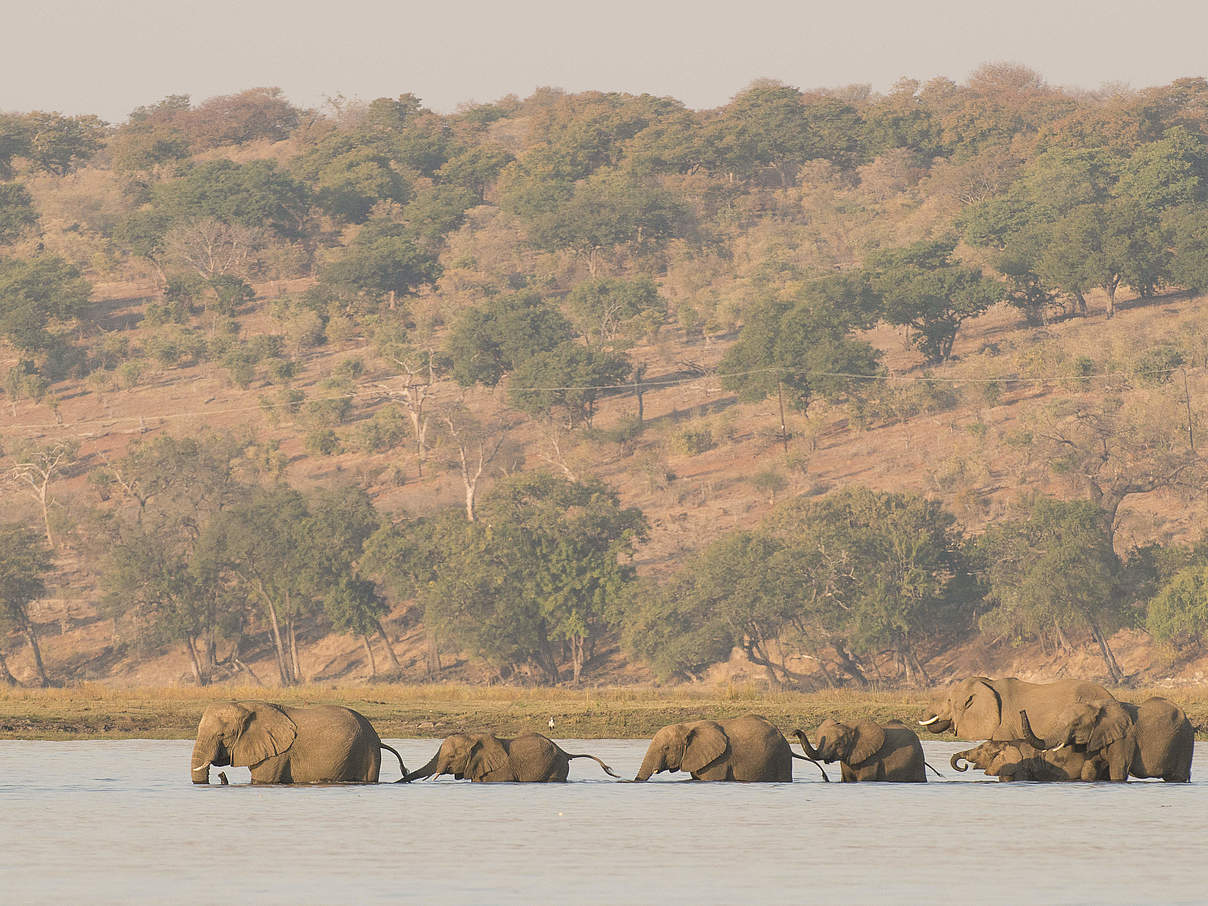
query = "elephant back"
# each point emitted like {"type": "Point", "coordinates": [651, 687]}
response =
{"type": "Point", "coordinates": [1165, 738]}
{"type": "Point", "coordinates": [758, 751]}
{"type": "Point", "coordinates": [1045, 704]}
{"type": "Point", "coordinates": [333, 743]}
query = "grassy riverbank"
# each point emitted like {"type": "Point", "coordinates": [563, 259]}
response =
{"type": "Point", "coordinates": [102, 712]}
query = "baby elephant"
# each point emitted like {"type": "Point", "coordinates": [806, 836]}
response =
{"type": "Point", "coordinates": [869, 751]}
{"type": "Point", "coordinates": [1028, 759]}
{"type": "Point", "coordinates": [488, 759]}
{"type": "Point", "coordinates": [747, 749]}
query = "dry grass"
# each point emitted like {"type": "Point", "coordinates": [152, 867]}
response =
{"type": "Point", "coordinates": [96, 711]}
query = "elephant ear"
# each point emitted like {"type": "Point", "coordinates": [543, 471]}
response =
{"type": "Point", "coordinates": [870, 738]}
{"type": "Point", "coordinates": [1112, 724]}
{"type": "Point", "coordinates": [267, 731]}
{"type": "Point", "coordinates": [487, 757]}
{"type": "Point", "coordinates": [976, 710]}
{"type": "Point", "coordinates": [704, 744]}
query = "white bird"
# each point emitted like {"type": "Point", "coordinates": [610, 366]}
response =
{"type": "Point", "coordinates": [551, 723]}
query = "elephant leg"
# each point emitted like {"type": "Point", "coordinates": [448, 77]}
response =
{"type": "Point", "coordinates": [272, 770]}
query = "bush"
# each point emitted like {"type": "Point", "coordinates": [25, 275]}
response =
{"type": "Point", "coordinates": [322, 442]}
{"type": "Point", "coordinates": [326, 413]}
{"type": "Point", "coordinates": [386, 430]}
{"type": "Point", "coordinates": [694, 441]}
{"type": "Point", "coordinates": [1156, 364]}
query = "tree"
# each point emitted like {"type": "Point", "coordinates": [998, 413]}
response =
{"type": "Point", "coordinates": [606, 308]}
{"type": "Point", "coordinates": [876, 570]}
{"type": "Point", "coordinates": [382, 261]}
{"type": "Point", "coordinates": [350, 176]}
{"type": "Point", "coordinates": [567, 379]}
{"type": "Point", "coordinates": [17, 214]}
{"type": "Point", "coordinates": [261, 543]}
{"type": "Point", "coordinates": [487, 343]}
{"type": "Point", "coordinates": [1177, 612]}
{"type": "Point", "coordinates": [1053, 569]}
{"type": "Point", "coordinates": [58, 144]}
{"type": "Point", "coordinates": [33, 293]}
{"type": "Point", "coordinates": [24, 563]}
{"type": "Point", "coordinates": [255, 194]}
{"type": "Point", "coordinates": [805, 347]}
{"type": "Point", "coordinates": [543, 569]}
{"type": "Point", "coordinates": [35, 470]}
{"type": "Point", "coordinates": [926, 290]}
{"type": "Point", "coordinates": [155, 573]}
{"type": "Point", "coordinates": [477, 442]}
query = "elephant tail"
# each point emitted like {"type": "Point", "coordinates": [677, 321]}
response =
{"type": "Point", "coordinates": [607, 769]}
{"type": "Point", "coordinates": [811, 761]}
{"type": "Point", "coordinates": [402, 767]}
{"type": "Point", "coordinates": [933, 770]}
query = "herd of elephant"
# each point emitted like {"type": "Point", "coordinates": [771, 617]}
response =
{"type": "Point", "coordinates": [1067, 730]}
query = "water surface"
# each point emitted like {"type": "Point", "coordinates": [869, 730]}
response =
{"type": "Point", "coordinates": [114, 822]}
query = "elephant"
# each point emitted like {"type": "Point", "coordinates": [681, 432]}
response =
{"type": "Point", "coordinates": [1030, 759]}
{"type": "Point", "coordinates": [746, 749]}
{"type": "Point", "coordinates": [869, 751]}
{"type": "Point", "coordinates": [984, 708]}
{"type": "Point", "coordinates": [484, 758]}
{"type": "Point", "coordinates": [1152, 739]}
{"type": "Point", "coordinates": [322, 744]}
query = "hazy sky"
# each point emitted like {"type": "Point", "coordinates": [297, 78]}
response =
{"type": "Point", "coordinates": [109, 56]}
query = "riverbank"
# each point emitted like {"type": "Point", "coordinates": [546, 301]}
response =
{"type": "Point", "coordinates": [95, 711]}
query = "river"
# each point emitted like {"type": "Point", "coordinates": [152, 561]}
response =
{"type": "Point", "coordinates": [119, 822]}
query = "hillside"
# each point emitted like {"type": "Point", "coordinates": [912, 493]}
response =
{"type": "Point", "coordinates": [291, 394]}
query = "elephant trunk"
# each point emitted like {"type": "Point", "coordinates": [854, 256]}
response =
{"type": "Point", "coordinates": [810, 752]}
{"type": "Point", "coordinates": [1033, 740]}
{"type": "Point", "coordinates": [650, 765]}
{"type": "Point", "coordinates": [203, 757]}
{"type": "Point", "coordinates": [432, 767]}
{"type": "Point", "coordinates": [955, 761]}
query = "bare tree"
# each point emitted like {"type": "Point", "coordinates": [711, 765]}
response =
{"type": "Point", "coordinates": [419, 376]}
{"type": "Point", "coordinates": [212, 247]}
{"type": "Point", "coordinates": [36, 469]}
{"type": "Point", "coordinates": [477, 443]}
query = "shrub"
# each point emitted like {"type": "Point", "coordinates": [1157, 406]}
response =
{"type": "Point", "coordinates": [322, 442]}
{"type": "Point", "coordinates": [386, 430]}
{"type": "Point", "coordinates": [694, 441]}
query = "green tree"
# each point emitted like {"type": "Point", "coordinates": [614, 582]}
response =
{"type": "Point", "coordinates": [382, 260]}
{"type": "Point", "coordinates": [34, 292]}
{"type": "Point", "coordinates": [1177, 611]}
{"type": "Point", "coordinates": [255, 194]}
{"type": "Point", "coordinates": [1054, 569]}
{"type": "Point", "coordinates": [608, 307]}
{"type": "Point", "coordinates": [58, 144]}
{"type": "Point", "coordinates": [804, 349]}
{"type": "Point", "coordinates": [25, 561]}
{"type": "Point", "coordinates": [925, 289]}
{"type": "Point", "coordinates": [17, 214]}
{"type": "Point", "coordinates": [487, 343]}
{"type": "Point", "coordinates": [155, 575]}
{"type": "Point", "coordinates": [875, 570]}
{"type": "Point", "coordinates": [349, 176]}
{"type": "Point", "coordinates": [567, 379]}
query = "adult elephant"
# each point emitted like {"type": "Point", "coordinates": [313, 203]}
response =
{"type": "Point", "coordinates": [484, 758]}
{"type": "Point", "coordinates": [984, 708]}
{"type": "Point", "coordinates": [323, 744]}
{"type": "Point", "coordinates": [746, 748]}
{"type": "Point", "coordinates": [1152, 739]}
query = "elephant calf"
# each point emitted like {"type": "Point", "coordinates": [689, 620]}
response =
{"type": "Point", "coordinates": [483, 758]}
{"type": "Point", "coordinates": [869, 751]}
{"type": "Point", "coordinates": [1029, 759]}
{"type": "Point", "coordinates": [324, 744]}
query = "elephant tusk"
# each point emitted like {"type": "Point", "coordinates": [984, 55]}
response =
{"type": "Point", "coordinates": [928, 723]}
{"type": "Point", "coordinates": [204, 767]}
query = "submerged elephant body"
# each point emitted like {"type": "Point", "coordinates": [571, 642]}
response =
{"type": "Point", "coordinates": [983, 708]}
{"type": "Point", "coordinates": [1030, 758]}
{"type": "Point", "coordinates": [868, 751]}
{"type": "Point", "coordinates": [746, 749]}
{"type": "Point", "coordinates": [1152, 739]}
{"type": "Point", "coordinates": [484, 758]}
{"type": "Point", "coordinates": [280, 744]}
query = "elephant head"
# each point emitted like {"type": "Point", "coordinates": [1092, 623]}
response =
{"type": "Point", "coordinates": [991, 756]}
{"type": "Point", "coordinates": [465, 755]}
{"type": "Point", "coordinates": [839, 742]}
{"type": "Point", "coordinates": [240, 734]}
{"type": "Point", "coordinates": [971, 708]}
{"type": "Point", "coordinates": [684, 747]}
{"type": "Point", "coordinates": [1091, 725]}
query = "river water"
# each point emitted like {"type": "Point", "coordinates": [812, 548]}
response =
{"type": "Point", "coordinates": [119, 822]}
